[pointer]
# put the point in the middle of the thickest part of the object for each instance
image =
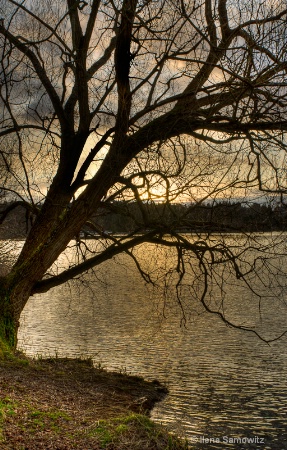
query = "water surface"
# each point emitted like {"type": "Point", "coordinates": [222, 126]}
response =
{"type": "Point", "coordinates": [225, 384]}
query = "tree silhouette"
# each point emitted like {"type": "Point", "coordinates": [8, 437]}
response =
{"type": "Point", "coordinates": [147, 101]}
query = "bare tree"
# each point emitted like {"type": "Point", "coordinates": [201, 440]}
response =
{"type": "Point", "coordinates": [104, 104]}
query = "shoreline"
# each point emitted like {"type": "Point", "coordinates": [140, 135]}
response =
{"type": "Point", "coordinates": [67, 404]}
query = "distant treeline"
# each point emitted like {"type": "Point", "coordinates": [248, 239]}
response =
{"type": "Point", "coordinates": [223, 216]}
{"type": "Point", "coordinates": [125, 217]}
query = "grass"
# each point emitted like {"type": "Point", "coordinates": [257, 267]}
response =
{"type": "Point", "coordinates": [134, 431]}
{"type": "Point", "coordinates": [69, 404]}
{"type": "Point", "coordinates": [45, 420]}
{"type": "Point", "coordinates": [7, 408]}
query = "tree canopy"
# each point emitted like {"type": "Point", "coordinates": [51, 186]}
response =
{"type": "Point", "coordinates": [108, 103]}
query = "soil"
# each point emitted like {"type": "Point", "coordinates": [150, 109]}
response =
{"type": "Point", "coordinates": [69, 404]}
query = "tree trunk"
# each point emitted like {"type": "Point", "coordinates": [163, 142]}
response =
{"type": "Point", "coordinates": [57, 223]}
{"type": "Point", "coordinates": [46, 240]}
{"type": "Point", "coordinates": [11, 299]}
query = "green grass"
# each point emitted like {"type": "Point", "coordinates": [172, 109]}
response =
{"type": "Point", "coordinates": [36, 420]}
{"type": "Point", "coordinates": [134, 431]}
{"type": "Point", "coordinates": [7, 408]}
{"type": "Point", "coordinates": [8, 355]}
{"type": "Point", "coordinates": [50, 420]}
{"type": "Point", "coordinates": [44, 418]}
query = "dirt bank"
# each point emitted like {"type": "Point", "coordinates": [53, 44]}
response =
{"type": "Point", "coordinates": [68, 404]}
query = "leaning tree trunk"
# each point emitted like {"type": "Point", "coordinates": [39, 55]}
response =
{"type": "Point", "coordinates": [47, 240]}
{"type": "Point", "coordinates": [57, 223]}
{"type": "Point", "coordinates": [50, 239]}
{"type": "Point", "coordinates": [12, 296]}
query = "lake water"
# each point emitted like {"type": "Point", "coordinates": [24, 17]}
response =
{"type": "Point", "coordinates": [226, 386]}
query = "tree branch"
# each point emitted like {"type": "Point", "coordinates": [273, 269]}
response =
{"type": "Point", "coordinates": [110, 252]}
{"type": "Point", "coordinates": [122, 64]}
{"type": "Point", "coordinates": [41, 74]}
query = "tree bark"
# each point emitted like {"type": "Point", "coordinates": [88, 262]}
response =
{"type": "Point", "coordinates": [12, 296]}
{"type": "Point", "coordinates": [56, 225]}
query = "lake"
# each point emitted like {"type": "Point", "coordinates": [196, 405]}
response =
{"type": "Point", "coordinates": [227, 388]}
